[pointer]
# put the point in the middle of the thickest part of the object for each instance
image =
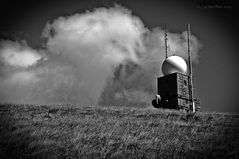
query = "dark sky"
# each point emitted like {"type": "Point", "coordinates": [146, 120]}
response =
{"type": "Point", "coordinates": [213, 22]}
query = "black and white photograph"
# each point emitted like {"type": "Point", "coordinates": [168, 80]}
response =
{"type": "Point", "coordinates": [119, 79]}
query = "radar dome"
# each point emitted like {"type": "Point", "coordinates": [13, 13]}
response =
{"type": "Point", "coordinates": [174, 64]}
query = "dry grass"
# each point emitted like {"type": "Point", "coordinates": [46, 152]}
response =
{"type": "Point", "coordinates": [28, 131]}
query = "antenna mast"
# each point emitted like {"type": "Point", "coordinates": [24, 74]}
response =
{"type": "Point", "coordinates": [166, 42]}
{"type": "Point", "coordinates": [190, 72]}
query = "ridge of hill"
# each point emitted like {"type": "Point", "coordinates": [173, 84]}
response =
{"type": "Point", "coordinates": [68, 131]}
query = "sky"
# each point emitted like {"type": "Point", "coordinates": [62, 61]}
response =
{"type": "Point", "coordinates": [109, 52]}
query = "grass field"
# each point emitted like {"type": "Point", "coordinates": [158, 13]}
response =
{"type": "Point", "coordinates": [28, 131]}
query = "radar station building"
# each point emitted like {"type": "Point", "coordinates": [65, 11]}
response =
{"type": "Point", "coordinates": [174, 91]}
{"type": "Point", "coordinates": [175, 88]}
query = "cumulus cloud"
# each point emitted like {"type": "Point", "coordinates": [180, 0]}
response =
{"type": "Point", "coordinates": [18, 54]}
{"type": "Point", "coordinates": [104, 57]}
{"type": "Point", "coordinates": [113, 34]}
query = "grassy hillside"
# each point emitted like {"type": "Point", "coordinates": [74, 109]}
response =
{"type": "Point", "coordinates": [28, 131]}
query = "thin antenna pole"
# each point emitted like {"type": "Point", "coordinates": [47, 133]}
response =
{"type": "Point", "coordinates": [190, 72]}
{"type": "Point", "coordinates": [166, 42]}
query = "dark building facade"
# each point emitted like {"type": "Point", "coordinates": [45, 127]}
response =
{"type": "Point", "coordinates": [174, 91]}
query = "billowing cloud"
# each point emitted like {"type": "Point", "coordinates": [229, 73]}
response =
{"type": "Point", "coordinates": [112, 34]}
{"type": "Point", "coordinates": [104, 57]}
{"type": "Point", "coordinates": [18, 54]}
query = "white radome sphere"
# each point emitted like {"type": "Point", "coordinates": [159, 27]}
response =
{"type": "Point", "coordinates": [174, 64]}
